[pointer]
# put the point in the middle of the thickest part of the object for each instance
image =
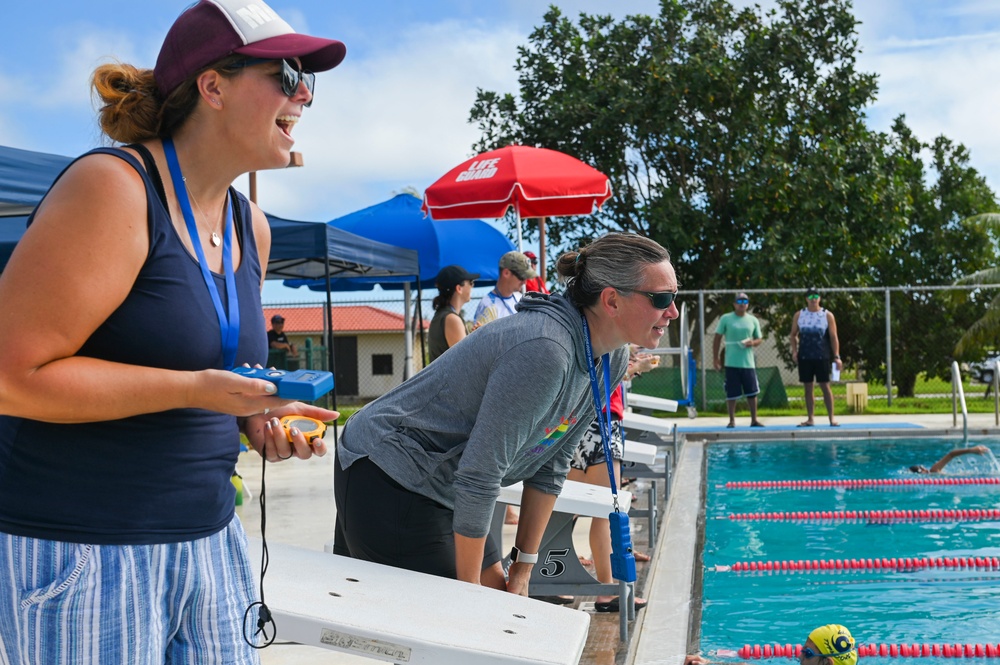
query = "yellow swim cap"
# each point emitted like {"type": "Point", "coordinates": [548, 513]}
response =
{"type": "Point", "coordinates": [835, 641]}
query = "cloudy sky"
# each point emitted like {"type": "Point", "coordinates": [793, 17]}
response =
{"type": "Point", "coordinates": [395, 114]}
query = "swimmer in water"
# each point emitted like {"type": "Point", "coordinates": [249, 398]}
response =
{"type": "Point", "coordinates": [939, 465]}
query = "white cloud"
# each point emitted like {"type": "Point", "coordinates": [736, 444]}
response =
{"type": "Point", "coordinates": [943, 86]}
{"type": "Point", "coordinates": [397, 118]}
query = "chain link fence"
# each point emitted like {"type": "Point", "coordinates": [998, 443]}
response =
{"type": "Point", "coordinates": [897, 346]}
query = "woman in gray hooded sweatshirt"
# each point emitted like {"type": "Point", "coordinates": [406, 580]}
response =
{"type": "Point", "coordinates": [419, 470]}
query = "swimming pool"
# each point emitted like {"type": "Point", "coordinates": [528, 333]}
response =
{"type": "Point", "coordinates": [906, 604]}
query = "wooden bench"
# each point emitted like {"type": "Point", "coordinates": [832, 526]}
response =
{"type": "Point", "coordinates": [559, 570]}
{"type": "Point", "coordinates": [398, 616]}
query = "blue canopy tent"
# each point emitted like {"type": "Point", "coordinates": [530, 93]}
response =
{"type": "Point", "coordinates": [25, 176]}
{"type": "Point", "coordinates": [471, 243]}
{"type": "Point", "coordinates": [323, 254]}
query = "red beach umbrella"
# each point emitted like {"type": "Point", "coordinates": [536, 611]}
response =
{"type": "Point", "coordinates": [536, 182]}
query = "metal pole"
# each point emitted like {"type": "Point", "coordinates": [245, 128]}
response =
{"type": "Point", "coordinates": [407, 335]}
{"type": "Point", "coordinates": [329, 342]}
{"type": "Point", "coordinates": [420, 323]}
{"type": "Point", "coordinates": [701, 341]}
{"type": "Point", "coordinates": [541, 249]}
{"type": "Point", "coordinates": [996, 392]}
{"type": "Point", "coordinates": [888, 348]}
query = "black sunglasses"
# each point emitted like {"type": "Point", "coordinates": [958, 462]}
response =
{"type": "Point", "coordinates": [291, 76]}
{"type": "Point", "coordinates": [660, 299]}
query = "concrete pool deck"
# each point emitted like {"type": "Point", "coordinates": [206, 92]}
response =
{"type": "Point", "coordinates": [300, 511]}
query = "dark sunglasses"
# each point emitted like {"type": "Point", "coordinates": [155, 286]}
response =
{"type": "Point", "coordinates": [742, 301]}
{"type": "Point", "coordinates": [291, 76]}
{"type": "Point", "coordinates": [660, 299]}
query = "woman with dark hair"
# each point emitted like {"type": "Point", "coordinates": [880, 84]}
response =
{"type": "Point", "coordinates": [448, 328]}
{"type": "Point", "coordinates": [419, 469]}
{"type": "Point", "coordinates": [137, 288]}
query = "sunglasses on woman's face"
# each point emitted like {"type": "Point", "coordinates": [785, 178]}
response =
{"type": "Point", "coordinates": [291, 76]}
{"type": "Point", "coordinates": [660, 299]}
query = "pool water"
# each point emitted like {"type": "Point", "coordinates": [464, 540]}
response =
{"type": "Point", "coordinates": [909, 606]}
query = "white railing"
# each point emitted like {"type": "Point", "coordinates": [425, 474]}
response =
{"type": "Point", "coordinates": [996, 392]}
{"type": "Point", "coordinates": [958, 396]}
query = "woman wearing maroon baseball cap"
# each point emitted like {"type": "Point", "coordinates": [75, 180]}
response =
{"type": "Point", "coordinates": [138, 283]}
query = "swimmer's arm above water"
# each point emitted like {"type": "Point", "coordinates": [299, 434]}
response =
{"type": "Point", "coordinates": [958, 452]}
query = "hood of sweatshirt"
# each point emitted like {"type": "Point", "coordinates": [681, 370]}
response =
{"type": "Point", "coordinates": [562, 310]}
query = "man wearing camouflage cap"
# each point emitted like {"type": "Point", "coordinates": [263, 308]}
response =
{"type": "Point", "coordinates": [515, 270]}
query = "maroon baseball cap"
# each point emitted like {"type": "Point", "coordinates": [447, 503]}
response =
{"type": "Point", "coordinates": [213, 29]}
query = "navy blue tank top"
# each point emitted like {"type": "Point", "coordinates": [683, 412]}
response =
{"type": "Point", "coordinates": [155, 478]}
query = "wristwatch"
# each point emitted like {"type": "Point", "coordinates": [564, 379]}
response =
{"type": "Point", "coordinates": [517, 556]}
{"type": "Point", "coordinates": [836, 357]}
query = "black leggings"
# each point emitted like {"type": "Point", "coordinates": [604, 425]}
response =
{"type": "Point", "coordinates": [380, 520]}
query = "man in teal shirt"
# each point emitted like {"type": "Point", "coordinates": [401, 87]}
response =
{"type": "Point", "coordinates": [741, 332]}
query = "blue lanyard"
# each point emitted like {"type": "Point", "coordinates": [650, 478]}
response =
{"type": "Point", "coordinates": [603, 414]}
{"type": "Point", "coordinates": [494, 296]}
{"type": "Point", "coordinates": [229, 326]}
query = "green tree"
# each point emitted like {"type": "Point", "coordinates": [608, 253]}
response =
{"type": "Point", "coordinates": [935, 249]}
{"type": "Point", "coordinates": [736, 138]}
{"type": "Point", "coordinates": [984, 334]}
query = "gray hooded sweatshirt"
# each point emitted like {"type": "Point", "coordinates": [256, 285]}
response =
{"type": "Point", "coordinates": [508, 403]}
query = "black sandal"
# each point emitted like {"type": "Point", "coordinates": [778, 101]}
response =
{"type": "Point", "coordinates": [613, 605]}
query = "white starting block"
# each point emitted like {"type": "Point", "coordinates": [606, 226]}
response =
{"type": "Point", "coordinates": [559, 570]}
{"type": "Point", "coordinates": [638, 452]}
{"type": "Point", "coordinates": [650, 403]}
{"type": "Point", "coordinates": [380, 612]}
{"type": "Point", "coordinates": [659, 428]}
{"type": "Point", "coordinates": [637, 421]}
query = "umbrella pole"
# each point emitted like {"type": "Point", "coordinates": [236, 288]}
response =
{"type": "Point", "coordinates": [541, 249]}
{"type": "Point", "coordinates": [520, 244]}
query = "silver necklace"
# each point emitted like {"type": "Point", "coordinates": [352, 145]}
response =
{"type": "Point", "coordinates": [214, 238]}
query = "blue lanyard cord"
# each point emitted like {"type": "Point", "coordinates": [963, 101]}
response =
{"type": "Point", "coordinates": [494, 296]}
{"type": "Point", "coordinates": [229, 326]}
{"type": "Point", "coordinates": [603, 414]}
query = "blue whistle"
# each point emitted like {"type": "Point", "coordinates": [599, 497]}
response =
{"type": "Point", "coordinates": [622, 560]}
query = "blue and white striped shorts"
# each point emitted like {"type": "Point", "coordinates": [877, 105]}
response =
{"type": "Point", "coordinates": [126, 604]}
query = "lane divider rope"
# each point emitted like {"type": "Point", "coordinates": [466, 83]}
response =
{"type": "Point", "coordinates": [857, 483]}
{"type": "Point", "coordinates": [922, 515]}
{"type": "Point", "coordinates": [758, 651]}
{"type": "Point", "coordinates": [841, 565]}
